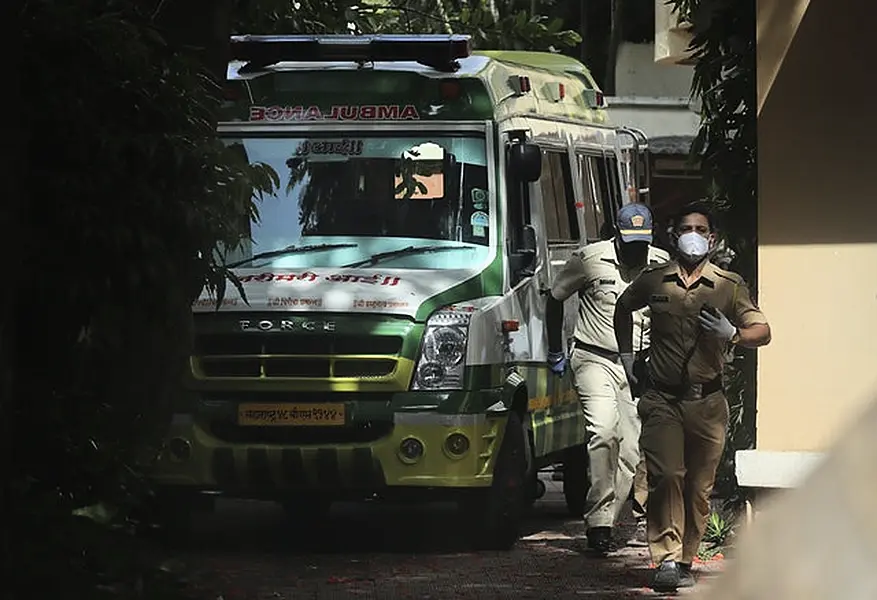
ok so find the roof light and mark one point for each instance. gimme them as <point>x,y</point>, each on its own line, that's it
<point>520,84</point>
<point>438,51</point>
<point>595,99</point>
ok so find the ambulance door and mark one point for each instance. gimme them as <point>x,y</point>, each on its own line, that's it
<point>563,221</point>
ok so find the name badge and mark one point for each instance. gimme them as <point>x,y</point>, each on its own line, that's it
<point>607,282</point>
<point>659,298</point>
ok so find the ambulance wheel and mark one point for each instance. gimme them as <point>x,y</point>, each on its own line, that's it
<point>535,486</point>
<point>496,513</point>
<point>575,479</point>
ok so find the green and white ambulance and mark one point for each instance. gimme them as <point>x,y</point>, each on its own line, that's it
<point>392,340</point>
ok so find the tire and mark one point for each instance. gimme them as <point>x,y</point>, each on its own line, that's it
<point>495,514</point>
<point>576,481</point>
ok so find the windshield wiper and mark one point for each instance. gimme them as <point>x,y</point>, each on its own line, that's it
<point>375,258</point>
<point>288,250</point>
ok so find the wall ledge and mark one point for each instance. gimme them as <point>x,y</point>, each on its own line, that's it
<point>771,469</point>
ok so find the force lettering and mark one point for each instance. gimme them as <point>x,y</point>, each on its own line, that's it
<point>369,112</point>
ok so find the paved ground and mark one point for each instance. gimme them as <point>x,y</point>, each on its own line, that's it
<point>249,551</point>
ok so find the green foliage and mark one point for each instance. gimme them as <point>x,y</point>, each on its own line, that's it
<point>129,193</point>
<point>496,27</point>
<point>724,79</point>
<point>718,536</point>
<point>128,198</point>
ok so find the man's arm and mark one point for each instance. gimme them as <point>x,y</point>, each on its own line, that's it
<point>753,329</point>
<point>754,335</point>
<point>569,280</point>
<point>634,298</point>
<point>554,324</point>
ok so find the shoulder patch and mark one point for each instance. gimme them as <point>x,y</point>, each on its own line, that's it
<point>655,267</point>
<point>657,255</point>
<point>596,250</point>
<point>729,276</point>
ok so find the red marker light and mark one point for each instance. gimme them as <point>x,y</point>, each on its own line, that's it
<point>450,89</point>
<point>510,325</point>
<point>520,84</point>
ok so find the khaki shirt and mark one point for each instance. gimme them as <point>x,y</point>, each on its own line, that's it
<point>674,322</point>
<point>595,273</point>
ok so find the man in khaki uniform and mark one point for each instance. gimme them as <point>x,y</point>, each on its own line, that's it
<point>598,273</point>
<point>696,310</point>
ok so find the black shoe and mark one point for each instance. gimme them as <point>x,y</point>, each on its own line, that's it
<point>686,577</point>
<point>600,539</point>
<point>666,577</point>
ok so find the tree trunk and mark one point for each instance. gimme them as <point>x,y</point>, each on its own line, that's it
<point>614,44</point>
<point>584,55</point>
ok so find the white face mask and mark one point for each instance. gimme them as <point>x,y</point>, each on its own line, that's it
<point>693,246</point>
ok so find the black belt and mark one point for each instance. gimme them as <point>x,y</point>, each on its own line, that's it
<point>693,391</point>
<point>608,354</point>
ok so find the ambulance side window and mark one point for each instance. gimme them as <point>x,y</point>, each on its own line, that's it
<point>593,204</point>
<point>558,198</point>
<point>605,169</point>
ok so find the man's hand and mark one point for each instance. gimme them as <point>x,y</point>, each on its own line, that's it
<point>557,363</point>
<point>716,324</point>
<point>627,361</point>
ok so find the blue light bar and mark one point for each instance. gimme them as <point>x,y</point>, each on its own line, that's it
<point>438,51</point>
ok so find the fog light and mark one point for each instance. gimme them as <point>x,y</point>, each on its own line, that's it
<point>457,444</point>
<point>411,449</point>
<point>180,449</point>
<point>430,375</point>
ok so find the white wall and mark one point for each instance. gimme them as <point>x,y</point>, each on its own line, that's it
<point>637,74</point>
<point>657,117</point>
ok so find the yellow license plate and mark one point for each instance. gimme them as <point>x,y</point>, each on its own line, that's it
<point>290,415</point>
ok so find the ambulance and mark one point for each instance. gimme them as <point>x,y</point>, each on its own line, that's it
<point>390,340</point>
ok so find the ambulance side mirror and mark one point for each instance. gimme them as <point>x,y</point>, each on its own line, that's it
<point>525,161</point>
<point>523,258</point>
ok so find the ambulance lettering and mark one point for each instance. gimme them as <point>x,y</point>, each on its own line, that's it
<point>368,112</point>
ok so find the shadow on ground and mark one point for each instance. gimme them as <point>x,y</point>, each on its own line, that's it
<point>251,551</point>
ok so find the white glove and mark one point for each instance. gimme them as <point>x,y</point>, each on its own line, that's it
<point>627,361</point>
<point>717,324</point>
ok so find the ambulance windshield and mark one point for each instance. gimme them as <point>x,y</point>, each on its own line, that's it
<point>344,199</point>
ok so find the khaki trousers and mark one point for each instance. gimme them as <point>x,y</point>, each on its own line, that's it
<point>682,441</point>
<point>613,435</point>
<point>640,490</point>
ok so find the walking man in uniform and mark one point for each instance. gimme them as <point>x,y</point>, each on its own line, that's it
<point>598,273</point>
<point>696,310</point>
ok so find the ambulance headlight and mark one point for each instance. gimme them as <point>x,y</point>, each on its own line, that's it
<point>442,352</point>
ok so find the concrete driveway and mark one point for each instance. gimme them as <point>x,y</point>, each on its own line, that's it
<point>250,551</point>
